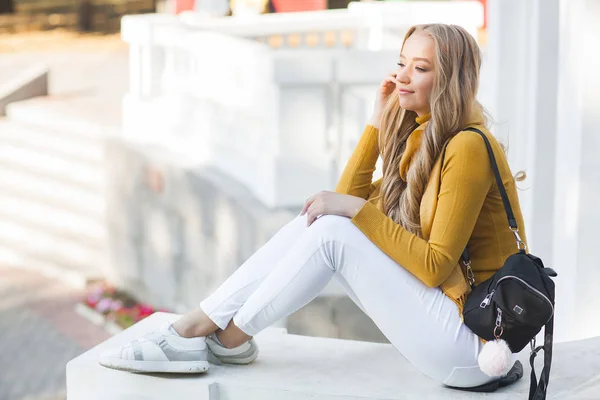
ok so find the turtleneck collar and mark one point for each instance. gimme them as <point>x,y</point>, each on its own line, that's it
<point>422,119</point>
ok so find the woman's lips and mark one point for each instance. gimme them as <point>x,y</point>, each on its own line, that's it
<point>404,91</point>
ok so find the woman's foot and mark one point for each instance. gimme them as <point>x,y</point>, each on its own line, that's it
<point>163,350</point>
<point>194,324</point>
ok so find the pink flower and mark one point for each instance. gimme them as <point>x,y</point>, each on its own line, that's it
<point>104,305</point>
<point>146,310</point>
<point>94,298</point>
<point>116,305</point>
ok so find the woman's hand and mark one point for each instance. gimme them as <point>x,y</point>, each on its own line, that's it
<point>331,203</point>
<point>386,89</point>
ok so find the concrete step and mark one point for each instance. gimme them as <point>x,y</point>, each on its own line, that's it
<point>54,193</point>
<point>70,255</point>
<point>83,149</point>
<point>52,206</point>
<point>80,115</point>
<point>52,221</point>
<point>28,83</point>
<point>39,162</point>
<point>75,277</point>
<point>293,367</point>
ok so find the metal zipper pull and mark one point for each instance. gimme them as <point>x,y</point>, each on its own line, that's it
<point>498,330</point>
<point>488,299</point>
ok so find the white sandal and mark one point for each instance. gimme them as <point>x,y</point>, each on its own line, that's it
<point>160,351</point>
<point>219,354</point>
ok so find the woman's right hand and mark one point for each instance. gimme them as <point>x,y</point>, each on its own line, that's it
<point>386,89</point>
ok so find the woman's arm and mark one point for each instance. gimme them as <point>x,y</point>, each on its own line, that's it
<point>465,182</point>
<point>356,180</point>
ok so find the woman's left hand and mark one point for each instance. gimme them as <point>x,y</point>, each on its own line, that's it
<point>331,203</point>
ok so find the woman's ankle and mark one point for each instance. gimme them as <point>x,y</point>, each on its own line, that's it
<point>183,330</point>
<point>190,330</point>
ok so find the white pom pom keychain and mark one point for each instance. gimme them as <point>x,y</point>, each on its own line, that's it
<point>495,358</point>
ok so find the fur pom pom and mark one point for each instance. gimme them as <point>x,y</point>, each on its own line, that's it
<point>495,358</point>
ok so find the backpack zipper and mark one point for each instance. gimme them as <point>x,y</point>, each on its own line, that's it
<point>488,299</point>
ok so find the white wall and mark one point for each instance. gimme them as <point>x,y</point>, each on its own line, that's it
<point>543,67</point>
<point>577,180</point>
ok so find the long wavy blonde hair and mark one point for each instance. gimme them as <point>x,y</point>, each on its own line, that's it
<point>456,67</point>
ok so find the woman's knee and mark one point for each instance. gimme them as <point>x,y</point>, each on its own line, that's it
<point>330,223</point>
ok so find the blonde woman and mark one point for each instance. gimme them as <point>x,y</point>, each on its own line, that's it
<point>394,244</point>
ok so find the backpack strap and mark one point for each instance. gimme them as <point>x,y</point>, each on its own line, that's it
<point>512,221</point>
<point>537,391</point>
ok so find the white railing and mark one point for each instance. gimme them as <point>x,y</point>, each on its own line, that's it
<point>269,119</point>
<point>277,101</point>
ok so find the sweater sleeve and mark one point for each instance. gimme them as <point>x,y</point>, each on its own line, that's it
<point>465,182</point>
<point>356,180</point>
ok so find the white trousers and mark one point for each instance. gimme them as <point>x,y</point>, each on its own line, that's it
<point>294,266</point>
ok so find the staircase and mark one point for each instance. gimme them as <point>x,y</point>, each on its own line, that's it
<point>52,175</point>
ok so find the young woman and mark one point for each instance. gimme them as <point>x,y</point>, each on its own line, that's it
<point>394,244</point>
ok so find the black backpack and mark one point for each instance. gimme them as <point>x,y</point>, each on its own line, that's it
<point>517,301</point>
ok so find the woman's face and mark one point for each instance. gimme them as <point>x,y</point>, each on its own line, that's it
<point>415,73</point>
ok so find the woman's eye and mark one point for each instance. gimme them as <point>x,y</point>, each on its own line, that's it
<point>421,69</point>
<point>400,65</point>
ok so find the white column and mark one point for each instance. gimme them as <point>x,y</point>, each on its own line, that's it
<point>544,85</point>
<point>522,57</point>
<point>577,183</point>
<point>544,67</point>
<point>146,65</point>
<point>151,71</point>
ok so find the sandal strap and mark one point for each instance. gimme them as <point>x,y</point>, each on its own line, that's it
<point>172,354</point>
<point>137,350</point>
<point>155,336</point>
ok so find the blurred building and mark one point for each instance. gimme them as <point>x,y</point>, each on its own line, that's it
<point>82,15</point>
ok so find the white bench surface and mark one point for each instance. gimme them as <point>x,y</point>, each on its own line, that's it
<point>293,367</point>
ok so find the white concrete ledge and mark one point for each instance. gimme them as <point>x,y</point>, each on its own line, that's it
<point>292,367</point>
<point>30,83</point>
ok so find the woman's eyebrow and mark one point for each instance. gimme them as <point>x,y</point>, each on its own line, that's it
<point>417,59</point>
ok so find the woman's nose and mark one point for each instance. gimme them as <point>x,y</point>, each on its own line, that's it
<point>402,76</point>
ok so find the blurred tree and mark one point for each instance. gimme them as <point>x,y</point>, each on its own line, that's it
<point>84,15</point>
<point>7,7</point>
<point>331,4</point>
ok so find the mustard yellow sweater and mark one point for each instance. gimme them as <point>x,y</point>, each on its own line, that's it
<point>461,205</point>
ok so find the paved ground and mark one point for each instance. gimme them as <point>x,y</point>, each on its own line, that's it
<point>39,333</point>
